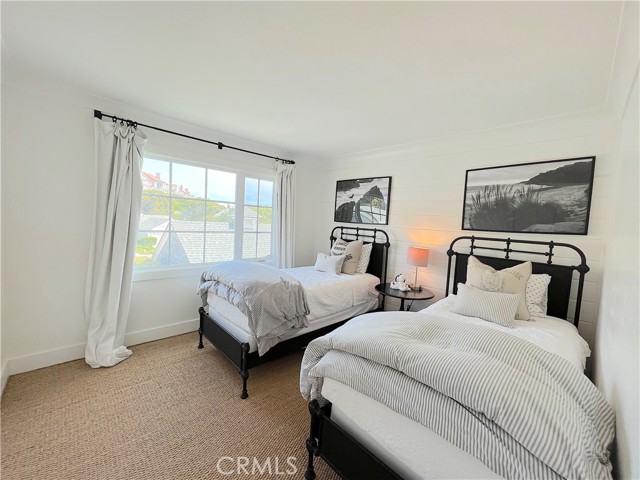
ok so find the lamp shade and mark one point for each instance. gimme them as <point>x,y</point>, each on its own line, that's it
<point>418,256</point>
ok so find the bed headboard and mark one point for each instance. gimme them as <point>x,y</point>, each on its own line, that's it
<point>561,275</point>
<point>379,252</point>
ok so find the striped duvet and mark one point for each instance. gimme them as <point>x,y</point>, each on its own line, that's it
<point>524,412</point>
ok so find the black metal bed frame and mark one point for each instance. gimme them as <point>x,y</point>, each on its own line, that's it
<point>237,352</point>
<point>561,275</point>
<point>352,460</point>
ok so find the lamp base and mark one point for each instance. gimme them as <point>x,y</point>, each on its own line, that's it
<point>416,288</point>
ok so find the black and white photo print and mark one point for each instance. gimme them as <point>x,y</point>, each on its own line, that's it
<point>541,197</point>
<point>363,200</point>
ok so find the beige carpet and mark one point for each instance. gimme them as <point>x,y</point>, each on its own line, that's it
<point>170,411</point>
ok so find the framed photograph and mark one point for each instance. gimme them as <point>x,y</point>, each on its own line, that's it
<point>363,200</point>
<point>542,197</point>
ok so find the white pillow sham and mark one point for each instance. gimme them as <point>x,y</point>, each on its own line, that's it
<point>508,280</point>
<point>495,307</point>
<point>329,263</point>
<point>537,288</point>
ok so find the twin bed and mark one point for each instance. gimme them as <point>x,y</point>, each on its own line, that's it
<point>437,394</point>
<point>332,300</point>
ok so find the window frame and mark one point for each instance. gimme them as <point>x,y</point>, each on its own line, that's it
<point>154,272</point>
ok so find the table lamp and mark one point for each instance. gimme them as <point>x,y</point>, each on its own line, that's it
<point>419,257</point>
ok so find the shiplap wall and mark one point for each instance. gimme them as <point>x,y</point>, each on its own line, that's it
<point>428,184</point>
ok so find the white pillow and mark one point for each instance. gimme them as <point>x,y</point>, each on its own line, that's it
<point>495,307</point>
<point>351,251</point>
<point>508,280</point>
<point>329,263</point>
<point>537,287</point>
<point>365,256</point>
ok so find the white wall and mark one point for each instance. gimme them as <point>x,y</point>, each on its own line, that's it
<point>47,209</point>
<point>428,183</point>
<point>617,362</point>
<point>3,360</point>
<point>618,336</point>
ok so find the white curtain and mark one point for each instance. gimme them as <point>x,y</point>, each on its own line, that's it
<point>118,154</point>
<point>284,237</point>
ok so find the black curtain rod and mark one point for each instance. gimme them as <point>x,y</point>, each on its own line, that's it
<point>220,145</point>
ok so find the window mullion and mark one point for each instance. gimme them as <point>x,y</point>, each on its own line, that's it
<point>170,212</point>
<point>258,216</point>
<point>206,210</point>
<point>239,225</point>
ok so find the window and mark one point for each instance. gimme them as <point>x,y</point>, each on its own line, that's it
<point>190,215</point>
<point>258,202</point>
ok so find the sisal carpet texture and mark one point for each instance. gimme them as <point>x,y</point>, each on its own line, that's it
<point>170,411</point>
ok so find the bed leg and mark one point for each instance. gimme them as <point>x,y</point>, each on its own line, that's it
<point>312,444</point>
<point>244,371</point>
<point>201,311</point>
<point>245,375</point>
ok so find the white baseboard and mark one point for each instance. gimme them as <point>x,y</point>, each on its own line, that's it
<point>158,333</point>
<point>5,376</point>
<point>55,356</point>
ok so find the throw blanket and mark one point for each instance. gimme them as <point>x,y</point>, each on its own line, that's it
<point>272,300</point>
<point>524,412</point>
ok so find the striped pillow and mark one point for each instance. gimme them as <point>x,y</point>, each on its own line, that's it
<point>495,307</point>
<point>351,252</point>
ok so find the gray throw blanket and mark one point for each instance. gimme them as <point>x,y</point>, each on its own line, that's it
<point>524,412</point>
<point>273,301</point>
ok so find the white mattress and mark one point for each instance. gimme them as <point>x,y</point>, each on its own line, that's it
<point>331,298</point>
<point>409,448</point>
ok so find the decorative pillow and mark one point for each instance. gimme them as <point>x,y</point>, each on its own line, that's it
<point>365,256</point>
<point>537,287</point>
<point>493,307</point>
<point>507,280</point>
<point>329,263</point>
<point>351,252</point>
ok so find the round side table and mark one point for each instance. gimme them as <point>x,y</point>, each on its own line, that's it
<point>386,290</point>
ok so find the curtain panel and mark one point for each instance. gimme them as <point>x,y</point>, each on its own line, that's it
<point>118,156</point>
<point>284,233</point>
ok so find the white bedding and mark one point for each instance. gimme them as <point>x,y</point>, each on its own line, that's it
<point>331,298</point>
<point>402,442</point>
<point>553,334</point>
<point>328,293</point>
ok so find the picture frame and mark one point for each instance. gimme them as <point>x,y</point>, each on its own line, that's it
<point>363,200</point>
<point>547,197</point>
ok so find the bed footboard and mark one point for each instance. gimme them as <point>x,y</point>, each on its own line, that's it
<point>341,451</point>
<point>237,352</point>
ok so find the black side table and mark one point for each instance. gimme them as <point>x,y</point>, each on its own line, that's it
<point>423,294</point>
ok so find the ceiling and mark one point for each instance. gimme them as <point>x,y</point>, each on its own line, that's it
<point>326,78</point>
